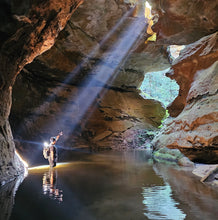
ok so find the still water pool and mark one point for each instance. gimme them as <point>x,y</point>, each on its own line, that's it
<point>114,186</point>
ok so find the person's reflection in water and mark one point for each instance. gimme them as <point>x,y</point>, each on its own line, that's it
<point>49,182</point>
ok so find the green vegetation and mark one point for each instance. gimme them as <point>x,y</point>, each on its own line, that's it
<point>164,118</point>
<point>167,155</point>
<point>159,87</point>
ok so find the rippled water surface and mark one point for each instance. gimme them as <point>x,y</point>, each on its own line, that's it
<point>113,185</point>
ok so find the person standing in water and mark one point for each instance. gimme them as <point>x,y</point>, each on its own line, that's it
<point>50,151</point>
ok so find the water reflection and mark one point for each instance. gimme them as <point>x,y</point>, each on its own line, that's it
<point>160,204</point>
<point>49,185</point>
<point>114,185</point>
<point>197,200</point>
<point>7,196</point>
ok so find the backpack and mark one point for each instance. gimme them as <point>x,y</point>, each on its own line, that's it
<point>46,152</point>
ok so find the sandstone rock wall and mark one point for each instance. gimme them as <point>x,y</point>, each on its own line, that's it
<point>196,107</point>
<point>35,34</point>
<point>184,21</point>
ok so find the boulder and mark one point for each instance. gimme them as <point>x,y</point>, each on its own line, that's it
<point>167,155</point>
<point>208,173</point>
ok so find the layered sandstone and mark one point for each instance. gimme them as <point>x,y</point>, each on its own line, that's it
<point>196,124</point>
<point>183,21</point>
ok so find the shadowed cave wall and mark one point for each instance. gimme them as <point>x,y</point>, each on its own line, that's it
<point>21,42</point>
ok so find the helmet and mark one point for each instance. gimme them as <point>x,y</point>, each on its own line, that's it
<point>52,139</point>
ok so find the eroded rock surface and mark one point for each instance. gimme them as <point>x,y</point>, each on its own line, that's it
<point>208,173</point>
<point>196,57</point>
<point>183,21</point>
<point>196,126</point>
<point>35,34</point>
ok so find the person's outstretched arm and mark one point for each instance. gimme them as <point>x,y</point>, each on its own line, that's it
<point>58,136</point>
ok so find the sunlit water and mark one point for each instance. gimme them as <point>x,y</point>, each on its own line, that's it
<point>114,185</point>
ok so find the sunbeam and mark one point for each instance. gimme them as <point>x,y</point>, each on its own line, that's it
<point>104,72</point>
<point>78,68</point>
<point>95,81</point>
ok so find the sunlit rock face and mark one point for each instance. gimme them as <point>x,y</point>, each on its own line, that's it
<point>183,21</point>
<point>194,61</point>
<point>10,165</point>
<point>120,121</point>
<point>195,126</point>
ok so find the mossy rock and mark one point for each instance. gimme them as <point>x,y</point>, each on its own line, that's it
<point>171,156</point>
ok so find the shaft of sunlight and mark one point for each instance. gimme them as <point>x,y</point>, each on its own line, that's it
<point>106,70</point>
<point>99,76</point>
<point>96,48</point>
<point>56,91</point>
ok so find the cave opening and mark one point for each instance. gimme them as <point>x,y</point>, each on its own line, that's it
<point>156,85</point>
